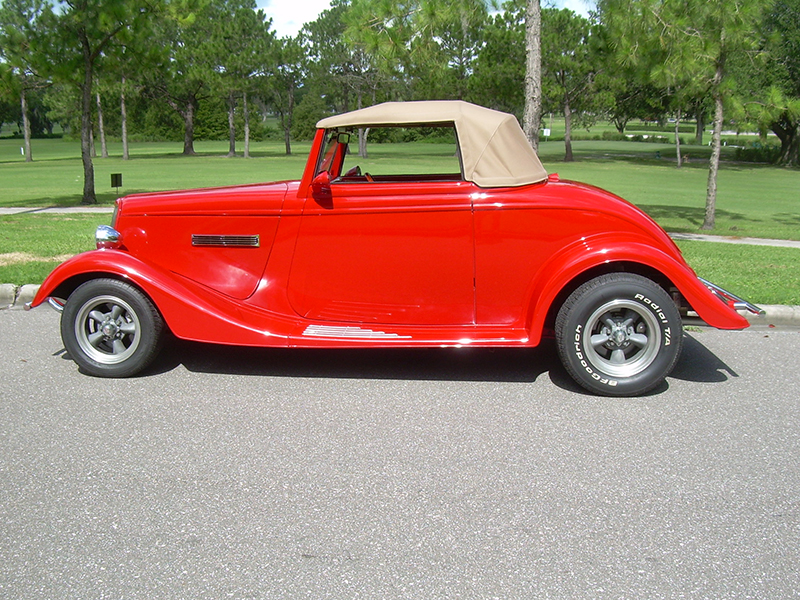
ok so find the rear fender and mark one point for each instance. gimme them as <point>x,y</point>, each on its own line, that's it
<point>604,251</point>
<point>192,311</point>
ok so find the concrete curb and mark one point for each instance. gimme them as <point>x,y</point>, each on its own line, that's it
<point>776,314</point>
<point>13,297</point>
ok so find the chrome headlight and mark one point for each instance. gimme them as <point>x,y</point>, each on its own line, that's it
<point>107,237</point>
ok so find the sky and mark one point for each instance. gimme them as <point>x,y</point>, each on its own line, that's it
<point>288,16</point>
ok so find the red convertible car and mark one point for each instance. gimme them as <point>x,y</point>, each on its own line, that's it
<point>479,248</point>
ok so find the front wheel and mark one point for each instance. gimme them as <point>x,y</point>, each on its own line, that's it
<point>619,334</point>
<point>111,329</point>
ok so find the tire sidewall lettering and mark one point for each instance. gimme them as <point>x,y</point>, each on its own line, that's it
<point>599,376</point>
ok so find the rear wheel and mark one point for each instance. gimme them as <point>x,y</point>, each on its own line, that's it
<point>619,334</point>
<point>111,329</point>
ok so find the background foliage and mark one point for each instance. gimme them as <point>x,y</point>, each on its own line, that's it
<point>214,69</point>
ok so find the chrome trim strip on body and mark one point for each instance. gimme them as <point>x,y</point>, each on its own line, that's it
<point>330,331</point>
<point>226,241</point>
<point>731,299</point>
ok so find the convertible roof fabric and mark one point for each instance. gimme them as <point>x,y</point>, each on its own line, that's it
<point>494,150</point>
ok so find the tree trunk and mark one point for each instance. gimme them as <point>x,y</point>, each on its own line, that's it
<point>788,133</point>
<point>362,133</point>
<point>26,125</point>
<point>287,139</point>
<point>362,141</point>
<point>701,125</point>
<point>567,131</point>
<point>101,129</point>
<point>716,150</point>
<point>792,155</point>
<point>188,129</point>
<point>678,139</point>
<point>124,117</point>
<point>246,112</point>
<point>231,125</point>
<point>89,196</point>
<point>532,119</point>
<point>286,119</point>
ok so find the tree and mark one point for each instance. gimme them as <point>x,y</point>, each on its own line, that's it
<point>427,47</point>
<point>78,37</point>
<point>284,80</point>
<point>500,65</point>
<point>331,64</point>
<point>568,73</point>
<point>450,37</point>
<point>239,40</point>
<point>339,72</point>
<point>19,35</point>
<point>186,71</point>
<point>533,72</point>
<point>771,87</point>
<point>699,37</point>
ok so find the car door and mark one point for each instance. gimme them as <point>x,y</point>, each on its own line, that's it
<point>393,252</point>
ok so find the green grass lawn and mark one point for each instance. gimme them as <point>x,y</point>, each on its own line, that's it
<point>760,274</point>
<point>55,177</point>
<point>32,245</point>
<point>753,200</point>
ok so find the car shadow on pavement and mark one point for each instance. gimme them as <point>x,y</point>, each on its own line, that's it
<point>508,365</point>
<point>442,364</point>
<point>697,363</point>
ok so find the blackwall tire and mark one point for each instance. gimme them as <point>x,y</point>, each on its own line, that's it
<point>111,329</point>
<point>619,335</point>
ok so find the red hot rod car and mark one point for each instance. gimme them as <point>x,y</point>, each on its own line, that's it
<point>481,249</point>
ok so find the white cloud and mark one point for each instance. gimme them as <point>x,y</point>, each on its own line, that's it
<point>289,16</point>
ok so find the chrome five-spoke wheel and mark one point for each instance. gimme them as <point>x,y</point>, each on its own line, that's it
<point>107,329</point>
<point>619,334</point>
<point>623,339</point>
<point>110,328</point>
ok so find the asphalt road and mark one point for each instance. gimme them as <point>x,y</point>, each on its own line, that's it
<point>228,473</point>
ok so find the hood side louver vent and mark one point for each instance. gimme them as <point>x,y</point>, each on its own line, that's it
<point>226,241</point>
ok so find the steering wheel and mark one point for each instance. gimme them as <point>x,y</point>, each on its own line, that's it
<point>354,172</point>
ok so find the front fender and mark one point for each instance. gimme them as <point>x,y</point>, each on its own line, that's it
<point>603,251</point>
<point>192,311</point>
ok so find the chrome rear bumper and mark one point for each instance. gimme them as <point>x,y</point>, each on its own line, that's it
<point>732,300</point>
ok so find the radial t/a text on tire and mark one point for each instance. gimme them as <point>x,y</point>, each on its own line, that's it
<point>110,328</point>
<point>619,334</point>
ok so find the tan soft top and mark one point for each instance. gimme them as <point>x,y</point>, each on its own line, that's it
<point>494,150</point>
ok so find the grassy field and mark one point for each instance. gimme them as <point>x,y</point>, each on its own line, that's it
<point>55,177</point>
<point>753,200</point>
<point>761,274</point>
<point>32,245</point>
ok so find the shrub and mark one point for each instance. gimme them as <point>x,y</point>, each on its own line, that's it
<point>757,152</point>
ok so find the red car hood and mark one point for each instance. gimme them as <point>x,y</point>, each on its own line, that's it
<point>239,199</point>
